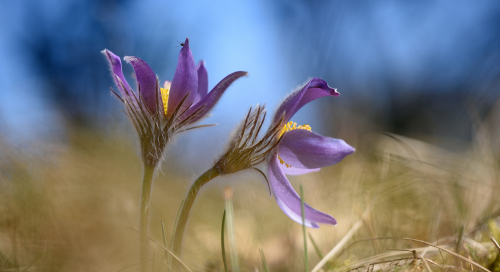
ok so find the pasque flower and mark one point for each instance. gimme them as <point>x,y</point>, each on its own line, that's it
<point>159,112</point>
<point>289,149</point>
<point>300,151</point>
<point>286,147</point>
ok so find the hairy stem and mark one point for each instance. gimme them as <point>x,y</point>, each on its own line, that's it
<point>147,185</point>
<point>185,209</point>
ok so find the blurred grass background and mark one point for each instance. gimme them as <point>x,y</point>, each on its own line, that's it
<point>74,207</point>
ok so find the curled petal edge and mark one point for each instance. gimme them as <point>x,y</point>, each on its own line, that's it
<point>312,90</point>
<point>115,66</point>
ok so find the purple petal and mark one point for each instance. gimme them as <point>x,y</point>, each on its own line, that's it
<point>116,71</point>
<point>146,81</point>
<point>295,171</point>
<point>305,149</point>
<point>211,99</point>
<point>289,200</point>
<point>185,81</point>
<point>202,82</point>
<point>314,89</point>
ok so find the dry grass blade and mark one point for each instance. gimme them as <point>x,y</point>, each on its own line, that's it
<point>344,240</point>
<point>394,263</point>
<point>128,266</point>
<point>416,256</point>
<point>433,262</point>
<point>164,238</point>
<point>449,251</point>
<point>425,262</point>
<point>167,250</point>
<point>495,243</point>
<point>438,247</point>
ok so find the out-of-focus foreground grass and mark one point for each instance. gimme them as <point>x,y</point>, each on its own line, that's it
<point>75,208</point>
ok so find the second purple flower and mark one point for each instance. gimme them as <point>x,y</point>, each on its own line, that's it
<point>302,151</point>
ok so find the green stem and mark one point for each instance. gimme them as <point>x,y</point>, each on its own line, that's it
<point>147,186</point>
<point>184,212</point>
<point>222,244</point>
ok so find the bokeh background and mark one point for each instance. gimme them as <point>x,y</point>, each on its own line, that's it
<point>407,67</point>
<point>425,70</point>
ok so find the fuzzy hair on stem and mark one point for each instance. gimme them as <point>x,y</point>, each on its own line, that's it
<point>153,128</point>
<point>245,150</point>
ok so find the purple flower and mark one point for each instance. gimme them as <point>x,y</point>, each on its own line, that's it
<point>158,113</point>
<point>289,149</point>
<point>300,151</point>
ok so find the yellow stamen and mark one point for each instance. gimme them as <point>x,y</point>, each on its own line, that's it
<point>288,127</point>
<point>165,91</point>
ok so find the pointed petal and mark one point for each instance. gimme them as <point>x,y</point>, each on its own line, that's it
<point>213,96</point>
<point>295,171</point>
<point>185,81</point>
<point>289,200</point>
<point>116,71</point>
<point>146,81</point>
<point>314,89</point>
<point>305,149</point>
<point>202,82</point>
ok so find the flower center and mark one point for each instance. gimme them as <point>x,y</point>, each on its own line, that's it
<point>165,91</point>
<point>288,127</point>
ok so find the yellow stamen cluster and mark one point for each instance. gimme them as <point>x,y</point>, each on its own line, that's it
<point>165,91</point>
<point>288,127</point>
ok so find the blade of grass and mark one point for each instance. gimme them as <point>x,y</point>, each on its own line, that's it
<point>416,256</point>
<point>344,240</point>
<point>437,247</point>
<point>497,258</point>
<point>169,258</point>
<point>222,244</point>
<point>126,267</point>
<point>186,268</point>
<point>495,242</point>
<point>233,253</point>
<point>425,262</point>
<point>460,239</point>
<point>164,238</point>
<point>5,261</point>
<point>177,217</point>
<point>306,260</point>
<point>263,258</point>
<point>316,248</point>
<point>33,262</point>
